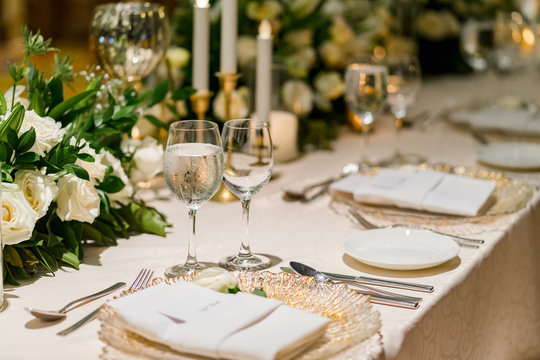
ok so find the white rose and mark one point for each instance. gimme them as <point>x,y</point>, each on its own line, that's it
<point>147,160</point>
<point>246,49</point>
<point>19,89</point>
<point>39,190</point>
<point>340,31</point>
<point>299,38</point>
<point>297,97</point>
<point>333,55</point>
<point>333,8</point>
<point>239,105</point>
<point>177,57</point>
<point>123,196</point>
<point>216,279</point>
<point>48,131</point>
<point>302,61</point>
<point>77,199</point>
<point>302,8</point>
<point>18,217</point>
<point>266,10</point>
<point>329,84</point>
<point>96,170</point>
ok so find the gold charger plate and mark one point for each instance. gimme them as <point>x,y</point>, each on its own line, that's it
<point>510,196</point>
<point>353,318</point>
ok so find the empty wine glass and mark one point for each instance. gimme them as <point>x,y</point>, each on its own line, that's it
<point>248,166</point>
<point>477,41</point>
<point>193,170</point>
<point>404,82</point>
<point>366,92</point>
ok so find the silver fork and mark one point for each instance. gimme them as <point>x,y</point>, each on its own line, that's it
<point>462,241</point>
<point>143,278</point>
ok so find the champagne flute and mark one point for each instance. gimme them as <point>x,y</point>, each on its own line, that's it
<point>193,169</point>
<point>404,82</point>
<point>248,167</point>
<point>365,93</point>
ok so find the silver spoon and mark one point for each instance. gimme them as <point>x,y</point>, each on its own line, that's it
<point>49,315</point>
<point>306,194</point>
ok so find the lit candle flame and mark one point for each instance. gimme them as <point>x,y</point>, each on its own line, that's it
<point>201,3</point>
<point>265,29</point>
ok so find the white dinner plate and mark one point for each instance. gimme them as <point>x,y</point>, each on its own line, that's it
<point>511,155</point>
<point>400,248</point>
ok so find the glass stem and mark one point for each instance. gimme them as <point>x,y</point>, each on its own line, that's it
<point>399,126</point>
<point>245,251</point>
<point>192,252</point>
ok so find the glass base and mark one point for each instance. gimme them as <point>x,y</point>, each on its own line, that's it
<point>249,263</point>
<point>186,269</point>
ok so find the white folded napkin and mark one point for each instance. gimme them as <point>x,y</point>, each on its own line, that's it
<point>511,121</point>
<point>196,320</point>
<point>421,190</point>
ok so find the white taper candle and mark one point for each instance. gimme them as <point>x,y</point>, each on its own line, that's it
<point>201,45</point>
<point>229,31</point>
<point>263,99</point>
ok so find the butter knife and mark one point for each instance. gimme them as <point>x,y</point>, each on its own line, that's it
<point>79,323</point>
<point>372,281</point>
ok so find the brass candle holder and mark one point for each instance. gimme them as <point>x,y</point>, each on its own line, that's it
<point>227,83</point>
<point>200,103</point>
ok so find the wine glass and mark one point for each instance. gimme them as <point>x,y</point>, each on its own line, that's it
<point>365,92</point>
<point>193,170</point>
<point>404,83</point>
<point>477,42</point>
<point>248,167</point>
<point>130,38</point>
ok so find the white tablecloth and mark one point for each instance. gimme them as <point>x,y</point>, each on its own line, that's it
<point>486,304</point>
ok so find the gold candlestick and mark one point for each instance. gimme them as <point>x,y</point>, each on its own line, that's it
<point>200,103</point>
<point>227,83</point>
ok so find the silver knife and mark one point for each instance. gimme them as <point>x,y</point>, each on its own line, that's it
<point>79,323</point>
<point>373,281</point>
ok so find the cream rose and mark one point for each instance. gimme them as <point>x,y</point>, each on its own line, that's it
<point>333,55</point>
<point>39,190</point>
<point>18,217</point>
<point>329,84</point>
<point>435,25</point>
<point>246,49</point>
<point>298,97</point>
<point>48,131</point>
<point>333,8</point>
<point>239,105</point>
<point>302,8</point>
<point>19,89</point>
<point>123,196</point>
<point>216,279</point>
<point>340,31</point>
<point>302,61</point>
<point>77,199</point>
<point>177,56</point>
<point>147,159</point>
<point>266,10</point>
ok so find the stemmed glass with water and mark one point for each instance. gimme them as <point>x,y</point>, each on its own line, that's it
<point>366,92</point>
<point>404,83</point>
<point>193,170</point>
<point>248,166</point>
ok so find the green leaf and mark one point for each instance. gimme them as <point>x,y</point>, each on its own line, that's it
<point>110,110</point>
<point>126,111</point>
<point>3,104</point>
<point>78,171</point>
<point>144,219</point>
<point>155,121</point>
<point>19,272</point>
<point>13,122</point>
<point>86,157</point>
<point>45,258</point>
<point>12,138</point>
<point>183,93</point>
<point>111,184</point>
<point>67,104</point>
<point>63,254</point>
<point>160,92</point>
<point>12,256</point>
<point>26,141</point>
<point>173,110</point>
<point>9,276</point>
<point>28,157</point>
<point>37,103</point>
<point>259,292</point>
<point>233,290</point>
<point>57,92</point>
<point>90,233</point>
<point>5,152</point>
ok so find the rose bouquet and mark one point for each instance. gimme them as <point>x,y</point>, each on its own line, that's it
<point>66,164</point>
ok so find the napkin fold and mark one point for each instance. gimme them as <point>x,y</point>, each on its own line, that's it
<point>196,320</point>
<point>426,190</point>
<point>510,121</point>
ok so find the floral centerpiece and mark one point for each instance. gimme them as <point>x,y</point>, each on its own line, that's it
<point>66,164</point>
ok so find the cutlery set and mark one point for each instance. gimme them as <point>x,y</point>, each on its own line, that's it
<point>143,278</point>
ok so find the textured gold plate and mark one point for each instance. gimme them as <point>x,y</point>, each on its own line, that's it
<point>353,318</point>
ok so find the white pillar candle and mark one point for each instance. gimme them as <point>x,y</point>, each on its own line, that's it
<point>263,91</point>
<point>201,45</point>
<point>229,30</point>
<point>284,132</point>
